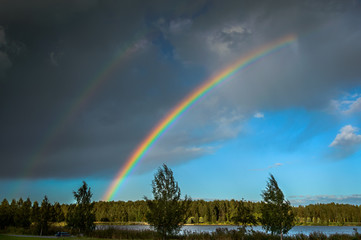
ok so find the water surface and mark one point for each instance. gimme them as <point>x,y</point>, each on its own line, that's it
<point>328,230</point>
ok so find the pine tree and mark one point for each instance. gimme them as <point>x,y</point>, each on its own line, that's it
<point>24,213</point>
<point>44,216</point>
<point>13,210</point>
<point>58,213</point>
<point>5,214</point>
<point>167,212</point>
<point>277,215</point>
<point>35,213</point>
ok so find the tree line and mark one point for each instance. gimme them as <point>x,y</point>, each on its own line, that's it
<point>20,213</point>
<point>274,213</point>
<point>222,212</point>
<point>25,214</point>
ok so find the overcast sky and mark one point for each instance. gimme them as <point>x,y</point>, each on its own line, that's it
<point>83,82</point>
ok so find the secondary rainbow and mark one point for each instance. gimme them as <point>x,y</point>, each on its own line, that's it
<point>188,101</point>
<point>66,117</point>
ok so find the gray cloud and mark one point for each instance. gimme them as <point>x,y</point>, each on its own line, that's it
<point>182,44</point>
<point>2,36</point>
<point>5,62</point>
<point>40,12</point>
<point>354,199</point>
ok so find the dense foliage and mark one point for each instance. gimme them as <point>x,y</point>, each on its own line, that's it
<point>223,212</point>
<point>80,215</point>
<point>200,212</point>
<point>24,214</point>
<point>166,212</point>
<point>276,212</point>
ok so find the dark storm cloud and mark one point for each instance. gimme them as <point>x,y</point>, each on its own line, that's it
<point>67,45</point>
<point>5,62</point>
<point>51,51</point>
<point>323,59</point>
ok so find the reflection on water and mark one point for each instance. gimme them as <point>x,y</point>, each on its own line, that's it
<point>328,230</point>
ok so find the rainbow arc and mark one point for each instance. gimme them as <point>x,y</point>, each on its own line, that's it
<point>186,103</point>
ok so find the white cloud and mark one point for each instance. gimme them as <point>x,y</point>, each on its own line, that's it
<point>347,137</point>
<point>353,106</point>
<point>269,167</point>
<point>258,115</point>
<point>348,104</point>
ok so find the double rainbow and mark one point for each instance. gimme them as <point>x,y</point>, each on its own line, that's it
<point>187,102</point>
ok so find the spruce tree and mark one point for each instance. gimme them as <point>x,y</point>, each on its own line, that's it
<point>44,217</point>
<point>5,214</point>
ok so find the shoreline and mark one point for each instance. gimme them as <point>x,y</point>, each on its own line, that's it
<point>347,224</point>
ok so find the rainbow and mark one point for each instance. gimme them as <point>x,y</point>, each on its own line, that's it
<point>187,102</point>
<point>70,113</point>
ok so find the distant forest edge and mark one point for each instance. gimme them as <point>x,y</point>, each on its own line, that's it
<point>222,211</point>
<point>22,213</point>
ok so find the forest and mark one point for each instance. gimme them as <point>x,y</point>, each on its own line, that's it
<point>22,213</point>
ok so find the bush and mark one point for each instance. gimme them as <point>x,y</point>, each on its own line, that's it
<point>317,236</point>
<point>113,233</point>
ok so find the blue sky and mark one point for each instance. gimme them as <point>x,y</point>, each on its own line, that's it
<point>294,114</point>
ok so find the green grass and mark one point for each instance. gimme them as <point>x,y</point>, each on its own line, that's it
<point>6,237</point>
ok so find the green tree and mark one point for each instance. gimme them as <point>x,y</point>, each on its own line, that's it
<point>44,216</point>
<point>5,214</point>
<point>243,214</point>
<point>13,210</point>
<point>58,215</point>
<point>167,212</point>
<point>35,213</point>
<point>25,213</point>
<point>81,216</point>
<point>18,213</point>
<point>277,215</point>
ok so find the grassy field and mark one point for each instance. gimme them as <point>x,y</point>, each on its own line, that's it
<point>25,237</point>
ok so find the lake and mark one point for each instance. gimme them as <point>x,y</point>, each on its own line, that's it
<point>328,230</point>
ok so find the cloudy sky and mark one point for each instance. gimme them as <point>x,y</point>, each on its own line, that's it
<point>82,83</point>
